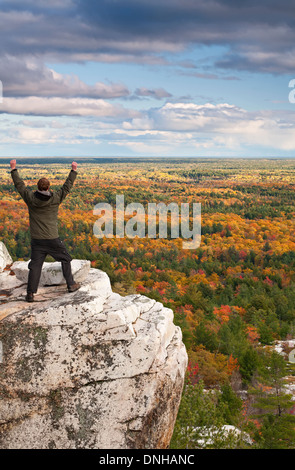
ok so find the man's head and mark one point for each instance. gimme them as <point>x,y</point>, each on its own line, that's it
<point>43,184</point>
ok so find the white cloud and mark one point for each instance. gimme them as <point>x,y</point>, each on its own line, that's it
<point>35,136</point>
<point>28,76</point>
<point>225,124</point>
<point>173,129</point>
<point>40,106</point>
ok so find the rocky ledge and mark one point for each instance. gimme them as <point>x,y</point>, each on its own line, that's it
<point>89,369</point>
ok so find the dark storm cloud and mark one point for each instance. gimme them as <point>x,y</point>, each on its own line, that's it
<point>189,21</point>
<point>260,36</point>
<point>167,19</point>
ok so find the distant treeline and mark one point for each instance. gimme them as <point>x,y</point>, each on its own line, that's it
<point>235,162</point>
<point>53,160</point>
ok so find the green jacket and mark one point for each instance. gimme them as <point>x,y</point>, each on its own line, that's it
<point>43,209</point>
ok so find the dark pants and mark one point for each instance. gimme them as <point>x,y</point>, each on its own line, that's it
<point>39,249</point>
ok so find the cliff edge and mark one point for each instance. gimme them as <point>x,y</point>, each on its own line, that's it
<point>89,369</point>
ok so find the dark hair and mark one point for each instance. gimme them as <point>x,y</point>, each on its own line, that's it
<point>43,184</point>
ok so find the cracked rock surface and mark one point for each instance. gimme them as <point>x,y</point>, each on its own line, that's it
<point>89,369</point>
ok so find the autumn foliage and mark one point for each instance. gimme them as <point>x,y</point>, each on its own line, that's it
<point>232,295</point>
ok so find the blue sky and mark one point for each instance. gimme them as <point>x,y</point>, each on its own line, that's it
<point>147,78</point>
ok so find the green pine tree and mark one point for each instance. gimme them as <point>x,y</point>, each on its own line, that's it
<point>201,419</point>
<point>277,429</point>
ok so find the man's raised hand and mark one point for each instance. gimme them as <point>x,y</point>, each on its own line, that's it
<point>12,164</point>
<point>74,166</point>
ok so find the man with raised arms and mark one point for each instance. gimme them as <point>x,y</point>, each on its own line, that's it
<point>43,207</point>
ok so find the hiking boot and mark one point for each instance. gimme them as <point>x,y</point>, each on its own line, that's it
<point>30,297</point>
<point>74,287</point>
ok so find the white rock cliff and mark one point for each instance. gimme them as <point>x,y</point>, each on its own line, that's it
<point>89,369</point>
<point>5,257</point>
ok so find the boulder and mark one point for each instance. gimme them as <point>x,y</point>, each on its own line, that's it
<point>89,369</point>
<point>5,257</point>
<point>52,272</point>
